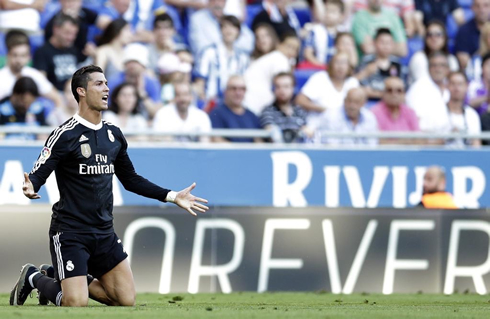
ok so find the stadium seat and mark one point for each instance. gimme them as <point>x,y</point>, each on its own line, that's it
<point>452,27</point>
<point>303,14</point>
<point>49,11</point>
<point>36,41</point>
<point>252,11</point>
<point>414,45</point>
<point>301,77</point>
<point>465,4</point>
<point>3,47</point>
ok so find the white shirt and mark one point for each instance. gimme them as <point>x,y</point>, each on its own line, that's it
<point>419,65</point>
<point>23,19</point>
<point>8,79</point>
<point>167,119</point>
<point>135,122</point>
<point>258,79</point>
<point>429,103</point>
<point>335,120</point>
<point>468,122</point>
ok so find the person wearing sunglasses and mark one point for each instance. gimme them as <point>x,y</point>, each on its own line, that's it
<point>393,114</point>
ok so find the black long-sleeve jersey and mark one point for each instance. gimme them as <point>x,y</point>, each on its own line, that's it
<point>84,157</point>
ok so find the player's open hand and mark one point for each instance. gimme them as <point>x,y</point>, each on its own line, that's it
<point>189,202</point>
<point>28,188</point>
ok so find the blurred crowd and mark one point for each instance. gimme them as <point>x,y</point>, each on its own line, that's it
<point>297,68</point>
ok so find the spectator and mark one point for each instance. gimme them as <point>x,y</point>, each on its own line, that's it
<point>479,89</point>
<point>220,60</point>
<point>375,68</point>
<point>139,14</point>
<point>352,117</point>
<point>124,109</point>
<point>18,56</point>
<point>164,34</point>
<point>265,40</point>
<point>67,109</point>
<point>435,40</point>
<point>86,18</point>
<point>279,15</point>
<point>232,7</point>
<point>392,114</point>
<point>135,63</point>
<point>367,22</point>
<point>474,68</point>
<point>344,42</point>
<point>231,114</point>
<point>439,10</point>
<point>172,70</point>
<point>21,15</point>
<point>110,47</point>
<point>434,190</point>
<point>260,73</point>
<point>405,9</point>
<point>429,95</point>
<point>468,36</point>
<point>204,28</point>
<point>319,46</point>
<point>462,118</point>
<point>22,108</point>
<point>327,90</point>
<point>283,117</point>
<point>182,116</point>
<point>58,58</point>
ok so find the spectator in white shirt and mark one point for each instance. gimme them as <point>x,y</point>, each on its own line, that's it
<point>428,96</point>
<point>261,72</point>
<point>462,118</point>
<point>18,56</point>
<point>352,117</point>
<point>327,90</point>
<point>182,116</point>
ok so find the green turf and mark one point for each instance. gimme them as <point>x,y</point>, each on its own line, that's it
<point>268,305</point>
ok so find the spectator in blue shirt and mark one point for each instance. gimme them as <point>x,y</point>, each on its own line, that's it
<point>468,37</point>
<point>232,114</point>
<point>135,64</point>
<point>22,108</point>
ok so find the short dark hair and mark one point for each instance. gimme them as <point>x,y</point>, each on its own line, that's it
<point>15,38</point>
<point>25,85</point>
<point>338,3</point>
<point>114,107</point>
<point>382,31</point>
<point>112,31</point>
<point>436,54</point>
<point>80,78</point>
<point>284,74</point>
<point>459,72</point>
<point>60,18</point>
<point>163,17</point>
<point>232,20</point>
<point>485,58</point>
<point>286,35</point>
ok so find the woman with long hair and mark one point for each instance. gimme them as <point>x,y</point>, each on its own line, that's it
<point>265,40</point>
<point>435,40</point>
<point>123,110</point>
<point>110,47</point>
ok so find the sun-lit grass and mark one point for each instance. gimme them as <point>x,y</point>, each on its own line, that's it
<point>268,305</point>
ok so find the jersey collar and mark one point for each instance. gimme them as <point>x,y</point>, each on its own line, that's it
<point>86,123</point>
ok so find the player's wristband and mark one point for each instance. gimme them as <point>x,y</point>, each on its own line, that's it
<point>171,196</point>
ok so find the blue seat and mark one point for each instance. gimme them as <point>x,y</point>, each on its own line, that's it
<point>452,27</point>
<point>413,45</point>
<point>49,11</point>
<point>252,11</point>
<point>36,41</point>
<point>465,4</point>
<point>303,15</point>
<point>301,77</point>
<point>3,47</point>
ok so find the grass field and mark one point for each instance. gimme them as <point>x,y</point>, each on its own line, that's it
<point>268,305</point>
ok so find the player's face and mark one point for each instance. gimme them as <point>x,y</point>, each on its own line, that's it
<point>18,57</point>
<point>97,94</point>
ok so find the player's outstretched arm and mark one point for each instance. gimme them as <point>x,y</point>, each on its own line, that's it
<point>28,188</point>
<point>189,202</point>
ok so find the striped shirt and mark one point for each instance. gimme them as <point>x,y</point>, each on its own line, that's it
<point>322,43</point>
<point>216,64</point>
<point>273,115</point>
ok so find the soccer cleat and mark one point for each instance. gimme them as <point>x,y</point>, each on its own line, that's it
<point>46,270</point>
<point>22,288</point>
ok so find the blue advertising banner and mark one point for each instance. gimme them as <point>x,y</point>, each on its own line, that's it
<point>280,177</point>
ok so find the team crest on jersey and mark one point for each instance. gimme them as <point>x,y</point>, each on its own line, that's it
<point>111,137</point>
<point>86,150</point>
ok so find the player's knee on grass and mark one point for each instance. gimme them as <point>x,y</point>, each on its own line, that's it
<point>128,300</point>
<point>74,300</point>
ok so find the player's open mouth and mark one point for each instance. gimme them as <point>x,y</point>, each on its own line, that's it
<point>105,98</point>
